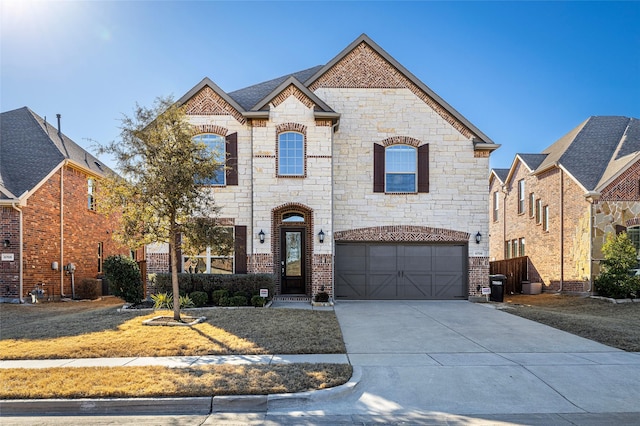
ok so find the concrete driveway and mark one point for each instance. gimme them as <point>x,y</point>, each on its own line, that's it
<point>417,358</point>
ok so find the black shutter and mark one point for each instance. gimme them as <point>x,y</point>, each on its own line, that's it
<point>423,168</point>
<point>378,168</point>
<point>240,248</point>
<point>232,159</point>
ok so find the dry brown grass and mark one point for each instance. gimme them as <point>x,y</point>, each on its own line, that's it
<point>616,325</point>
<point>96,329</point>
<point>138,382</point>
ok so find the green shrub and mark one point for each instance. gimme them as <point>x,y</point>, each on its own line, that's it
<point>124,278</point>
<point>162,301</point>
<point>258,301</point>
<point>218,295</point>
<point>619,257</point>
<point>237,301</point>
<point>199,298</point>
<point>188,283</point>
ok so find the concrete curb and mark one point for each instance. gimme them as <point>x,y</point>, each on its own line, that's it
<point>162,406</point>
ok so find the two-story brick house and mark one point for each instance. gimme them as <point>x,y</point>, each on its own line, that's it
<point>557,207</point>
<point>352,177</point>
<point>48,190</point>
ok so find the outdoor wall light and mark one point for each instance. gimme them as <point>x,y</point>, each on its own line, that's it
<point>321,236</point>
<point>478,237</point>
<point>261,236</point>
<point>6,243</point>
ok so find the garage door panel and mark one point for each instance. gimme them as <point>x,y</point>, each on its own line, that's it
<point>416,286</point>
<point>351,285</point>
<point>382,286</point>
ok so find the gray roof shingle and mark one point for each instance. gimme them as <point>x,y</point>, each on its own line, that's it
<point>502,174</point>
<point>31,148</point>
<point>532,161</point>
<point>248,97</point>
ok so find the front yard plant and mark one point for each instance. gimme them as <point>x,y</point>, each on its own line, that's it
<point>615,279</point>
<point>123,275</point>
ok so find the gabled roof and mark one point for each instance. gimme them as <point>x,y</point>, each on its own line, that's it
<point>501,174</point>
<point>412,78</point>
<point>250,101</point>
<point>30,149</point>
<point>532,161</point>
<point>249,97</point>
<point>593,153</point>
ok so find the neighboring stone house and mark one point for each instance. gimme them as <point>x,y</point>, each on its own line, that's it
<point>48,189</point>
<point>352,178</point>
<point>557,207</point>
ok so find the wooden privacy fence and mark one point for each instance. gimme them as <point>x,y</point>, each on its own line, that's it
<point>514,269</point>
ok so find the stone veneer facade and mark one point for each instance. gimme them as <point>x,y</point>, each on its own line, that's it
<point>580,222</point>
<point>377,104</point>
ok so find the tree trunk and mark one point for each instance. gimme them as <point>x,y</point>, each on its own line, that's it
<point>174,276</point>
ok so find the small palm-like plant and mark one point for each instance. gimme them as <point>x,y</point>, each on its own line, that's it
<point>186,302</point>
<point>162,301</point>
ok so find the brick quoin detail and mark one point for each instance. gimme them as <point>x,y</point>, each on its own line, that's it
<point>364,68</point>
<point>481,154</point>
<point>259,122</point>
<point>292,90</point>
<point>324,123</point>
<point>208,102</point>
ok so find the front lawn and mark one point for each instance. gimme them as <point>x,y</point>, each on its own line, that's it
<point>97,329</point>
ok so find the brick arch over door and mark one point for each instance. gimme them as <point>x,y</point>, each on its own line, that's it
<point>277,224</point>
<point>402,233</point>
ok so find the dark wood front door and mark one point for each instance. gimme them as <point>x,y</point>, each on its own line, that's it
<point>292,262</point>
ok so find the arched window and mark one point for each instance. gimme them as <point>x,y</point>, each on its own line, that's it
<point>400,168</point>
<point>216,144</point>
<point>290,154</point>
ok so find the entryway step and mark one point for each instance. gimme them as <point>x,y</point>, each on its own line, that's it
<point>291,298</point>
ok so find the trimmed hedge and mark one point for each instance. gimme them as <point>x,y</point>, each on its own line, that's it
<point>248,284</point>
<point>89,288</point>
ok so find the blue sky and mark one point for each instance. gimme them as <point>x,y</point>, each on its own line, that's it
<point>524,73</point>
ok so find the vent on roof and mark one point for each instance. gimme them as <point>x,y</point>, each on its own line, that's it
<point>58,116</point>
<point>98,165</point>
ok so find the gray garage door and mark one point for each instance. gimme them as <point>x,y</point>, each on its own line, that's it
<point>401,271</point>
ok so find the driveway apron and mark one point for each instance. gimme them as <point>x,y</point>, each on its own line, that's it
<point>458,357</point>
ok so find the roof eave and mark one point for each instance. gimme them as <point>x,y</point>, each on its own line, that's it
<point>482,146</point>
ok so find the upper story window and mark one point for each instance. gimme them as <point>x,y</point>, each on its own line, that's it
<point>100,256</point>
<point>217,145</point>
<point>538,211</point>
<point>91,194</point>
<point>545,218</point>
<point>400,168</point>
<point>496,206</point>
<point>291,154</point>
<point>521,196</point>
<point>532,204</point>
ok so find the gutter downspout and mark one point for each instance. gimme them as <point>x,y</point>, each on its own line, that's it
<point>333,243</point>
<point>561,230</point>
<point>20,256</point>
<point>62,230</point>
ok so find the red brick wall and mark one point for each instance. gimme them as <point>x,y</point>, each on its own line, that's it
<point>10,270</point>
<point>543,246</point>
<point>83,230</point>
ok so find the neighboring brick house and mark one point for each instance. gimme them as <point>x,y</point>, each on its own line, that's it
<point>48,186</point>
<point>352,177</point>
<point>557,207</point>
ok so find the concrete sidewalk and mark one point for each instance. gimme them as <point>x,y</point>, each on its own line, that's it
<point>178,361</point>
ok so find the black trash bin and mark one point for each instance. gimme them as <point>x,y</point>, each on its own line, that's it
<point>497,284</point>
